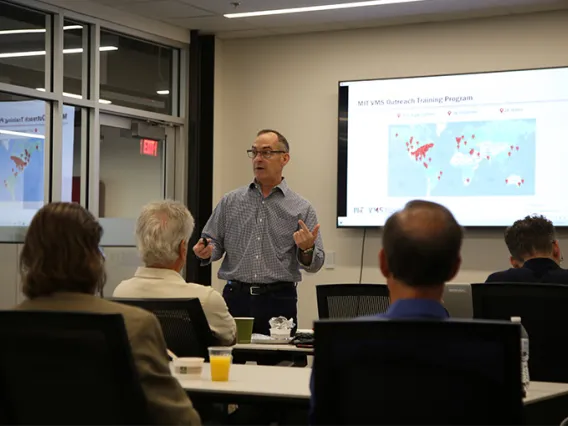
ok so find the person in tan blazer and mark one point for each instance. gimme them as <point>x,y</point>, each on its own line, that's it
<point>62,268</point>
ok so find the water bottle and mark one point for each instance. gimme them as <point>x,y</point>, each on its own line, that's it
<point>524,354</point>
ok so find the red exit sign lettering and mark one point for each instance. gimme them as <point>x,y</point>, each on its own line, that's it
<point>149,147</point>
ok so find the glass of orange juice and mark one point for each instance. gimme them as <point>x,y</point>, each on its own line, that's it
<point>220,359</point>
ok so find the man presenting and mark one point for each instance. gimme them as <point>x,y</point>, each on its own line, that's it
<point>267,233</point>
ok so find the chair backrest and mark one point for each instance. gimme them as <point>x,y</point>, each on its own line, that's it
<point>351,300</point>
<point>68,368</point>
<point>183,322</point>
<point>542,308</point>
<point>409,372</point>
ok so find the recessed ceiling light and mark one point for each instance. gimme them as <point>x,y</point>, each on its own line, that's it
<point>163,92</point>
<point>42,52</point>
<point>317,8</point>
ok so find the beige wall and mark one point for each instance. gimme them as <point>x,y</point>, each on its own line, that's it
<point>290,83</point>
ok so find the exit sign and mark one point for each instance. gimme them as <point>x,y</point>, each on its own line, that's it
<point>149,147</point>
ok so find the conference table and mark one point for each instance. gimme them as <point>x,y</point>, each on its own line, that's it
<point>256,383</point>
<point>265,347</point>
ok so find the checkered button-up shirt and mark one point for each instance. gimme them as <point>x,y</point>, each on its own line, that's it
<point>256,235</point>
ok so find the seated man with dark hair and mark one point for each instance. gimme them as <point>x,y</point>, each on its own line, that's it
<point>535,253</point>
<point>421,252</point>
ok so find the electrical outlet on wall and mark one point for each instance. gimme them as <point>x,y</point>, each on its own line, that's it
<point>329,260</point>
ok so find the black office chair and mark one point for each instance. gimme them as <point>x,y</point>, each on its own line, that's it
<point>351,300</point>
<point>183,322</point>
<point>542,308</point>
<point>408,372</point>
<point>68,369</point>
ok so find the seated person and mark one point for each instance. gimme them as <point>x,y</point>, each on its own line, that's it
<point>62,268</point>
<point>535,253</point>
<point>421,252</point>
<point>162,232</point>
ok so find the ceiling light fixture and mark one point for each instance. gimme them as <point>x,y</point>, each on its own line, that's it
<point>42,52</point>
<point>37,30</point>
<point>26,135</point>
<point>317,8</point>
<point>73,95</point>
<point>163,92</point>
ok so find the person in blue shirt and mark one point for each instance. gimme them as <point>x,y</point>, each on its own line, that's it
<point>421,252</point>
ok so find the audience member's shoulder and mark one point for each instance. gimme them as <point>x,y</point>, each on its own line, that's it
<point>138,322</point>
<point>496,276</point>
<point>557,276</point>
<point>509,275</point>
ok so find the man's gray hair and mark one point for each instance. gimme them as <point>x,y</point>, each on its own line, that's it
<point>160,229</point>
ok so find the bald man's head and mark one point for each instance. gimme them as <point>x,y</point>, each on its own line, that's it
<point>422,245</point>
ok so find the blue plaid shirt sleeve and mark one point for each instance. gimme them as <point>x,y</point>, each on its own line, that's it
<point>215,229</point>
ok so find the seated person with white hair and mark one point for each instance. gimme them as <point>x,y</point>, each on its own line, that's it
<point>162,232</point>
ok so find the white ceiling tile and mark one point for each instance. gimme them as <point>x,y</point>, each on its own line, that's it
<point>261,32</point>
<point>388,11</point>
<point>116,3</point>
<point>162,9</point>
<point>213,23</point>
<point>206,15</point>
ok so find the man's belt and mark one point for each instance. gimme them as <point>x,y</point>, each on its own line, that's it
<point>258,289</point>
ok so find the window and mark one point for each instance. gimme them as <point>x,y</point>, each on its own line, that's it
<point>131,174</point>
<point>75,73</point>
<point>22,158</point>
<point>135,73</point>
<point>22,46</point>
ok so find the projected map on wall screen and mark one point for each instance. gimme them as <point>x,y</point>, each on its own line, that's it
<point>489,146</point>
<point>22,154</point>
<point>469,158</point>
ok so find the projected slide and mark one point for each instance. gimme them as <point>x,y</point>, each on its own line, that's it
<point>488,146</point>
<point>22,159</point>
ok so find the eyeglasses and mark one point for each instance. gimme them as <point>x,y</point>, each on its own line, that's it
<point>266,154</point>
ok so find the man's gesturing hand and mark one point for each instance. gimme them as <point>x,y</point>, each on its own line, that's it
<point>203,251</point>
<point>304,238</point>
